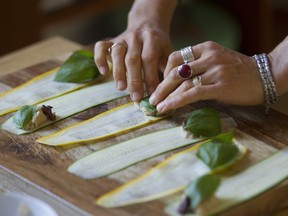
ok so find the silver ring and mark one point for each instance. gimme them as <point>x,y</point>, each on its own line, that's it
<point>187,54</point>
<point>115,44</point>
<point>197,81</point>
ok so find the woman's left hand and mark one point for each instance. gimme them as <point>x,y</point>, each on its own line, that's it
<point>218,73</point>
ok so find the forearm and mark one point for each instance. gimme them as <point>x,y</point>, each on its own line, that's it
<point>152,12</point>
<point>279,66</point>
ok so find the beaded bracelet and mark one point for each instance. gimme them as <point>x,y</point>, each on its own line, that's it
<point>270,95</point>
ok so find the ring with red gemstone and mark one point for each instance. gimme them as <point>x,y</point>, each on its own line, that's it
<point>184,71</point>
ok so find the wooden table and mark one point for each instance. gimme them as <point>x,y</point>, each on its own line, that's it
<point>28,56</point>
<point>69,198</point>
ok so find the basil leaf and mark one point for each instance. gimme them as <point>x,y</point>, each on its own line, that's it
<point>219,152</point>
<point>226,137</point>
<point>150,110</point>
<point>201,189</point>
<point>24,115</point>
<point>204,122</point>
<point>147,108</point>
<point>78,68</point>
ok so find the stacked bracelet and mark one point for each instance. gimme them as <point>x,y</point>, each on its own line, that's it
<point>270,95</point>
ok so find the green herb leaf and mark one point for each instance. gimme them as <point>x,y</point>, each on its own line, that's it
<point>78,68</point>
<point>226,138</point>
<point>150,110</point>
<point>204,122</point>
<point>147,108</point>
<point>201,189</point>
<point>219,152</point>
<point>24,115</point>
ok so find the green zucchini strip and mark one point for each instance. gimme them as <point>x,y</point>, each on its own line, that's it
<point>245,185</point>
<point>168,177</point>
<point>109,160</point>
<point>36,90</point>
<point>110,123</point>
<point>72,103</point>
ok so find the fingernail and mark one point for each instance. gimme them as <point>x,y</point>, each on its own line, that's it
<point>120,85</point>
<point>135,97</point>
<point>103,70</point>
<point>152,99</point>
<point>160,107</point>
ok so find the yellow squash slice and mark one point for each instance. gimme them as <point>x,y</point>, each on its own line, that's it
<point>114,158</point>
<point>243,186</point>
<point>35,91</point>
<point>110,123</point>
<point>72,103</point>
<point>168,177</point>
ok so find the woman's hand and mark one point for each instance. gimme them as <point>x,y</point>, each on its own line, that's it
<point>141,52</point>
<point>226,76</point>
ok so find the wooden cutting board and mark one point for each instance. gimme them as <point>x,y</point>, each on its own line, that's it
<point>45,166</point>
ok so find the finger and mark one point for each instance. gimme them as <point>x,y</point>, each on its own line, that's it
<point>195,82</point>
<point>178,58</point>
<point>100,56</point>
<point>168,85</point>
<point>173,80</point>
<point>190,96</point>
<point>174,59</point>
<point>118,52</point>
<point>150,66</point>
<point>134,70</point>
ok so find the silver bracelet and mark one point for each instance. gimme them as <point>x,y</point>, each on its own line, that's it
<point>271,84</point>
<point>270,95</point>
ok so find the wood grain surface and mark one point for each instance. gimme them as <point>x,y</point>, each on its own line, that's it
<point>46,166</point>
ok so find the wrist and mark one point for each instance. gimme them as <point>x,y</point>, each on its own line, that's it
<point>147,24</point>
<point>279,66</point>
<point>156,13</point>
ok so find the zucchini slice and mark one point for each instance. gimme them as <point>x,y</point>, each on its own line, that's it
<point>34,91</point>
<point>168,177</point>
<point>110,123</point>
<point>109,160</point>
<point>72,103</point>
<point>243,186</point>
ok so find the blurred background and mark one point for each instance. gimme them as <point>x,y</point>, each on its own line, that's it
<point>244,25</point>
